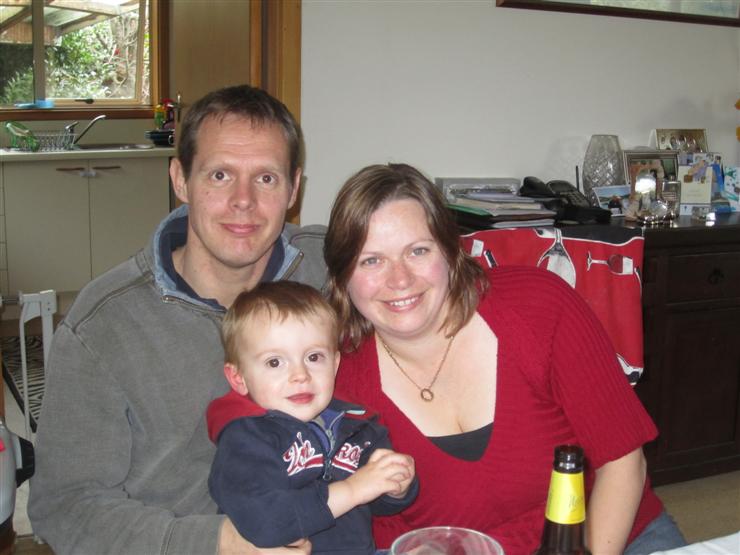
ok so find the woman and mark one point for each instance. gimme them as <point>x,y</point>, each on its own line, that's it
<point>480,375</point>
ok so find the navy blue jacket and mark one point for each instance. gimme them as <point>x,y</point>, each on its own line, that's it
<point>271,474</point>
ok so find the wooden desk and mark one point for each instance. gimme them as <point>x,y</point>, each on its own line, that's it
<point>691,318</point>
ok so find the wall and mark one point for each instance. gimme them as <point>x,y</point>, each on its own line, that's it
<point>468,89</point>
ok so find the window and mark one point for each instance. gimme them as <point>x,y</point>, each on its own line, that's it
<point>79,53</point>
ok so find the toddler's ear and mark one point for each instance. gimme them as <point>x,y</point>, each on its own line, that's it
<point>235,378</point>
<point>338,356</point>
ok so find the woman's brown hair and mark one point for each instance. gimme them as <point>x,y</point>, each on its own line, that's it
<point>358,199</point>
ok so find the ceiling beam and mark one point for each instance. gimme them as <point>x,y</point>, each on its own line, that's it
<point>13,19</point>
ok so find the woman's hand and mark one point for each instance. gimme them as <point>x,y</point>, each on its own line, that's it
<point>230,542</point>
<point>614,501</point>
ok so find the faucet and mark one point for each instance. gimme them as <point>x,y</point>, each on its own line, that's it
<point>89,125</point>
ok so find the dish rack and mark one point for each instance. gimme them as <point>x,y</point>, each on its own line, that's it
<point>54,140</point>
<point>47,141</point>
<point>22,138</point>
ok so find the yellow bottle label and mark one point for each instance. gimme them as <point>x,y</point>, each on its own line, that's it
<point>565,502</point>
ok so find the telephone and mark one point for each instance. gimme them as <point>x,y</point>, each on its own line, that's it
<point>569,202</point>
<point>534,187</point>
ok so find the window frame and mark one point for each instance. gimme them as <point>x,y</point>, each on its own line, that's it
<point>159,62</point>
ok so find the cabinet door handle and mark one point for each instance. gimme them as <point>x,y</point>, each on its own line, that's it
<point>716,277</point>
<point>106,167</point>
<point>80,169</point>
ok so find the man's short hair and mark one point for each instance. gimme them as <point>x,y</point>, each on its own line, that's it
<point>250,103</point>
<point>279,300</point>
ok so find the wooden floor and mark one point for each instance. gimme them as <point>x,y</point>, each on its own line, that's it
<point>25,545</point>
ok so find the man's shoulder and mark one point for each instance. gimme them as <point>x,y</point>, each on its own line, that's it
<point>309,241</point>
<point>115,285</point>
<point>312,235</point>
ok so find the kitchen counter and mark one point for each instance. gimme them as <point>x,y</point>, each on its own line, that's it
<point>7,155</point>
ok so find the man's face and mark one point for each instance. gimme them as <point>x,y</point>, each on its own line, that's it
<point>238,191</point>
<point>287,365</point>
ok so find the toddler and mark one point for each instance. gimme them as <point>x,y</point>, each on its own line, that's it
<point>291,461</point>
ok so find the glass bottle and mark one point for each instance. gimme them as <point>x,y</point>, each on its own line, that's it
<point>565,515</point>
<point>159,116</point>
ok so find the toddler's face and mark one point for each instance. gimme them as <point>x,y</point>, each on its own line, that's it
<point>289,365</point>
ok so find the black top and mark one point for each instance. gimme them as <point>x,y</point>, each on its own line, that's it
<point>468,446</point>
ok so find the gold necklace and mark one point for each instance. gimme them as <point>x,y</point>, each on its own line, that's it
<point>426,392</point>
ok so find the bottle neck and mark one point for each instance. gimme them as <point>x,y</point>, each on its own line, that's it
<point>565,500</point>
<point>565,515</point>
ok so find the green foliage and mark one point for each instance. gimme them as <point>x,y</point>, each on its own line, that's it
<point>97,61</point>
<point>81,65</point>
<point>18,88</point>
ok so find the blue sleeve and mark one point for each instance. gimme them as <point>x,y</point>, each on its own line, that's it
<point>249,483</point>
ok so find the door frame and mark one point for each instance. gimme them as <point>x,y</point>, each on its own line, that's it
<point>275,57</point>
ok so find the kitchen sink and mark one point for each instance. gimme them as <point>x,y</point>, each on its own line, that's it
<point>113,146</point>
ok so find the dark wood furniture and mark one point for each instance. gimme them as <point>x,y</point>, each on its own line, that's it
<point>691,383</point>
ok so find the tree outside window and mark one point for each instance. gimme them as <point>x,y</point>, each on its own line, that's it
<point>95,51</point>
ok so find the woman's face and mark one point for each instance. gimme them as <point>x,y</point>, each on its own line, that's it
<point>400,282</point>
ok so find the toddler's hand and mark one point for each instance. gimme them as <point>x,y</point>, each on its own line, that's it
<point>384,472</point>
<point>404,478</point>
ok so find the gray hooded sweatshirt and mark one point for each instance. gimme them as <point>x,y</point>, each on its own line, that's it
<point>122,451</point>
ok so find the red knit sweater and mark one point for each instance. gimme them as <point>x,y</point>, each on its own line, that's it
<point>558,381</point>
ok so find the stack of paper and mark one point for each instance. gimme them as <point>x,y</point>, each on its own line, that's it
<point>498,210</point>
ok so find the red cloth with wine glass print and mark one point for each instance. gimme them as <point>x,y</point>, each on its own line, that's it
<point>602,263</point>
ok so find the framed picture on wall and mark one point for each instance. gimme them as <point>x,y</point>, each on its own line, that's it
<point>645,170</point>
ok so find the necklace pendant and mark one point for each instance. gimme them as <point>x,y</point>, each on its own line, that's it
<point>427,395</point>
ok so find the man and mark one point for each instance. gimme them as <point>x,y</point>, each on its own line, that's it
<point>122,451</point>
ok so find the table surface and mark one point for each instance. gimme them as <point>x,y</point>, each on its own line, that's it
<point>726,545</point>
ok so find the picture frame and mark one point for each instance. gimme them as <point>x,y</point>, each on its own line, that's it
<point>614,198</point>
<point>645,170</point>
<point>682,140</point>
<point>700,11</point>
<point>671,194</point>
<point>696,183</point>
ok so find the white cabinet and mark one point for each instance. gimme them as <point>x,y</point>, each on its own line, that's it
<point>68,221</point>
<point>128,198</point>
<point>47,225</point>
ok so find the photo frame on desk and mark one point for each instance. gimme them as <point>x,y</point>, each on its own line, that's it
<point>614,198</point>
<point>696,184</point>
<point>683,140</point>
<point>645,170</point>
